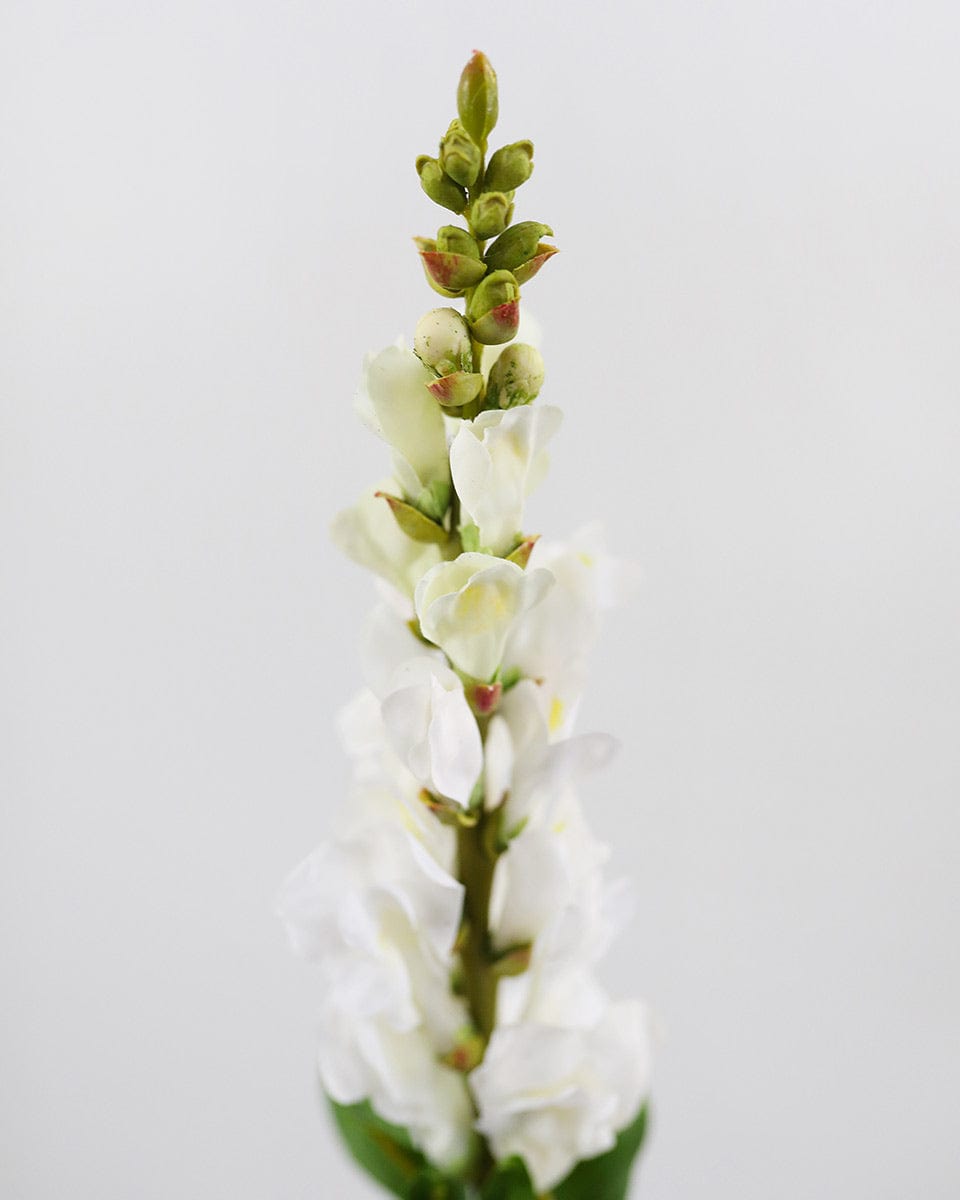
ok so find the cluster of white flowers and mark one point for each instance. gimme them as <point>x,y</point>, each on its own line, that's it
<point>474,664</point>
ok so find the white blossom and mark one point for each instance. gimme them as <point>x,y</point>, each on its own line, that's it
<point>522,761</point>
<point>369,534</point>
<point>469,606</point>
<point>394,402</point>
<point>553,645</point>
<point>555,1096</point>
<point>432,729</point>
<point>496,461</point>
<point>379,916</point>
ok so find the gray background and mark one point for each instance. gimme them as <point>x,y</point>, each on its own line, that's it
<point>205,213</point>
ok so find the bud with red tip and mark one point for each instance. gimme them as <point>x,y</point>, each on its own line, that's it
<point>477,99</point>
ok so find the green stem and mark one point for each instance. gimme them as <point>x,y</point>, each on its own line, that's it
<point>476,868</point>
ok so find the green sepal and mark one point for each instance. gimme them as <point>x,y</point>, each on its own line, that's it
<point>515,960</point>
<point>434,500</point>
<point>412,521</point>
<point>521,554</point>
<point>510,678</point>
<point>526,271</point>
<point>606,1177</point>
<point>470,538</point>
<point>448,812</point>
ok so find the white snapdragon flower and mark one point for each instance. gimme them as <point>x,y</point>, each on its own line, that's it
<point>497,460</point>
<point>521,761</point>
<point>469,606</point>
<point>399,1073</point>
<point>556,1096</point>
<point>432,729</point>
<point>394,402</point>
<point>387,792</point>
<point>379,916</point>
<point>554,644</point>
<point>369,534</point>
<point>549,890</point>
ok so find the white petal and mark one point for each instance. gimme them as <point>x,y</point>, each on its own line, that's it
<point>456,750</point>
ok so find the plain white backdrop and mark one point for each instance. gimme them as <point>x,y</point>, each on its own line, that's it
<point>754,328</point>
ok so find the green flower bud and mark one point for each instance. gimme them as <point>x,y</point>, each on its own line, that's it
<point>451,239</point>
<point>460,155</point>
<point>516,245</point>
<point>509,167</point>
<point>442,341</point>
<point>440,187</point>
<point>477,101</point>
<point>515,378</point>
<point>490,214</point>
<point>494,309</point>
<point>466,1054</point>
<point>413,522</point>
<point>457,389</point>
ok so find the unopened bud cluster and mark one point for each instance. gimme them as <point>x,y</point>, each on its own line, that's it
<point>485,261</point>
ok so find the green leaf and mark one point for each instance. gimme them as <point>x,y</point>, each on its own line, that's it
<point>384,1150</point>
<point>431,1185</point>
<point>510,1181</point>
<point>608,1176</point>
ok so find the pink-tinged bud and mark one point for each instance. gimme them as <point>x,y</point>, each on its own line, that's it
<point>494,309</point>
<point>499,325</point>
<point>484,698</point>
<point>457,389</point>
<point>449,274</point>
<point>467,1052</point>
<point>521,555</point>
